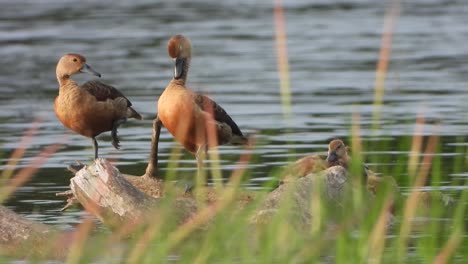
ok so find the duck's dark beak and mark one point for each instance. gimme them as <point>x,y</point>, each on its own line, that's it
<point>332,157</point>
<point>87,69</point>
<point>179,67</point>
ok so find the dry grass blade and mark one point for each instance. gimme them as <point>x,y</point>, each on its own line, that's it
<point>198,220</point>
<point>356,142</point>
<point>377,237</point>
<point>144,242</point>
<point>282,56</point>
<point>207,213</point>
<point>384,58</point>
<point>80,237</point>
<point>416,146</point>
<point>25,174</point>
<point>449,249</point>
<point>413,200</point>
<point>18,153</point>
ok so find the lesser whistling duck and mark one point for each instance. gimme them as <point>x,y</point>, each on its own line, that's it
<point>91,108</point>
<point>337,155</point>
<point>195,120</point>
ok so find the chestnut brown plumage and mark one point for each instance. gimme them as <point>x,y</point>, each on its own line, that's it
<point>91,108</point>
<point>195,120</point>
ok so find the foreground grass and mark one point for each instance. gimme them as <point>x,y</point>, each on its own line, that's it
<point>425,229</point>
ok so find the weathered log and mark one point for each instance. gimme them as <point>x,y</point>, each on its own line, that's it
<point>106,193</point>
<point>25,238</point>
<point>102,190</point>
<point>329,186</point>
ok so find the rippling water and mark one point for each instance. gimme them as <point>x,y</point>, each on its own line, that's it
<point>333,48</point>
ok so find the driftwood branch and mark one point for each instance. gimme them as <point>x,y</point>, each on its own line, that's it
<point>102,190</point>
<point>16,228</point>
<point>101,187</point>
<point>25,238</point>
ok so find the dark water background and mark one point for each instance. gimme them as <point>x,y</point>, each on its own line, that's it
<point>333,49</point>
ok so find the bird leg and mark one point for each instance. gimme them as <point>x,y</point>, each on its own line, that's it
<point>95,145</point>
<point>152,168</point>
<point>115,125</point>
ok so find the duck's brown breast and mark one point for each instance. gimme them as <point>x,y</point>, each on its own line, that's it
<point>182,117</point>
<point>82,113</point>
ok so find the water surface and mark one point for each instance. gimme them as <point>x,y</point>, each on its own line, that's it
<point>333,49</point>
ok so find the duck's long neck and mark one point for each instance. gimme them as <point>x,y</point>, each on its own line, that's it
<point>65,82</point>
<point>181,80</point>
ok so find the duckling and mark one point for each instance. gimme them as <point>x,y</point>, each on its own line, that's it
<point>91,108</point>
<point>308,164</point>
<point>195,120</point>
<point>337,156</point>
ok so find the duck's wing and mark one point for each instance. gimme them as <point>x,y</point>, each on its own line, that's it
<point>102,91</point>
<point>219,114</point>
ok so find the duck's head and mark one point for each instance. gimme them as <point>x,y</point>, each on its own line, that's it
<point>179,48</point>
<point>73,63</point>
<point>336,151</point>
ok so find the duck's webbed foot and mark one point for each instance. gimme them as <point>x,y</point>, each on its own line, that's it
<point>115,125</point>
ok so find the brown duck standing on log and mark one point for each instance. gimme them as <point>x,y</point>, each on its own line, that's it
<point>195,120</point>
<point>91,108</point>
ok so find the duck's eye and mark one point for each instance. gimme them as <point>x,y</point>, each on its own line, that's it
<point>75,59</point>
